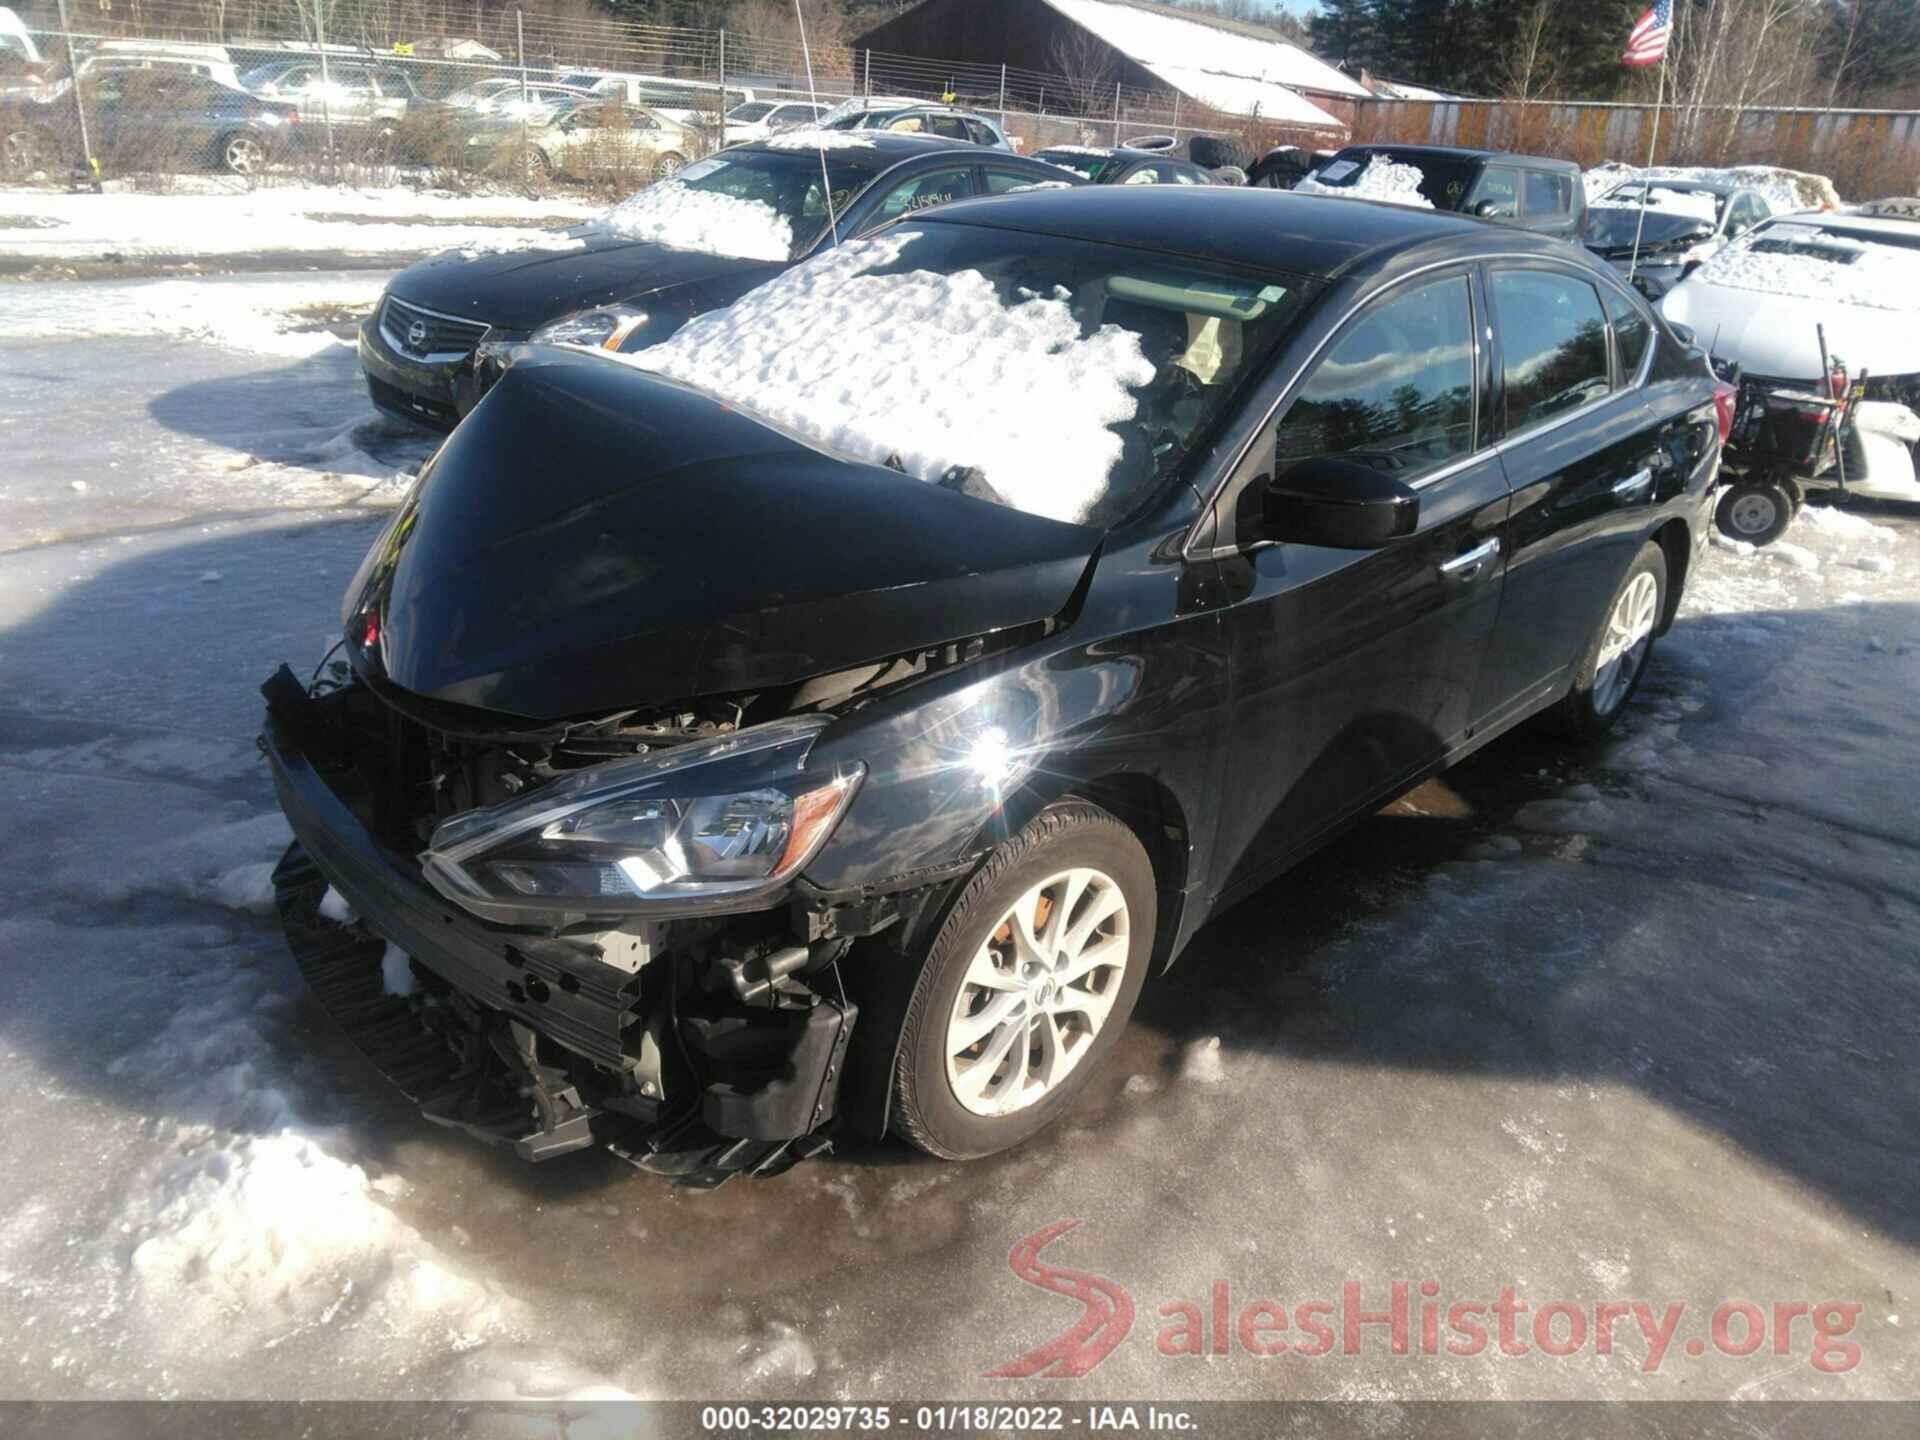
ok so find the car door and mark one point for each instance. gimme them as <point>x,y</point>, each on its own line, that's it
<point>1496,194</point>
<point>1548,197</point>
<point>1354,670</point>
<point>1582,464</point>
<point>919,188</point>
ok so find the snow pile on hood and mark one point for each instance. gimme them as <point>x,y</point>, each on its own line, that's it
<point>672,213</point>
<point>1379,179</point>
<point>933,369</point>
<point>1698,204</point>
<point>1879,277</point>
<point>820,140</point>
<point>1784,190</point>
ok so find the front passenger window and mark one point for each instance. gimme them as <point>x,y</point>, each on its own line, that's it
<point>1396,392</point>
<point>1553,344</point>
<point>922,192</point>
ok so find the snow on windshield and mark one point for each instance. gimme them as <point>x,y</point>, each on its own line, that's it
<point>820,140</point>
<point>934,370</point>
<point>1808,263</point>
<point>1380,178</point>
<point>672,213</point>
<point>1696,204</point>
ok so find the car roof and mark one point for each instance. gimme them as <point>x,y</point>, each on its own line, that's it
<point>1461,152</point>
<point>888,145</point>
<point>1252,227</point>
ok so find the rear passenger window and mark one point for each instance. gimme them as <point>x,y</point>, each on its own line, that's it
<point>999,182</point>
<point>1396,392</point>
<point>1549,193</point>
<point>1632,333</point>
<point>1553,344</point>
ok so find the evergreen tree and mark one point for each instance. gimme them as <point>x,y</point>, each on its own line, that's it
<point>1343,32</point>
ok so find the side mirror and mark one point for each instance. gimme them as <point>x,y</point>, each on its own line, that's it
<point>1684,334</point>
<point>1339,504</point>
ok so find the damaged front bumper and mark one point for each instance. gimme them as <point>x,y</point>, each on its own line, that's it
<point>686,1049</point>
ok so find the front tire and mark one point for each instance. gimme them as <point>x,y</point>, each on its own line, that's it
<point>1610,670</point>
<point>1755,511</point>
<point>1027,986</point>
<point>670,163</point>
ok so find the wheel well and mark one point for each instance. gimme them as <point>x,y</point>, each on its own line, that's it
<point>1677,544</point>
<point>1154,814</point>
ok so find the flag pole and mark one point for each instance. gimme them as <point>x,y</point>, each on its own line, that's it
<point>1646,184</point>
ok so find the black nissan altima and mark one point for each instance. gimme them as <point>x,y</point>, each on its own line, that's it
<point>823,721</point>
<point>682,246</point>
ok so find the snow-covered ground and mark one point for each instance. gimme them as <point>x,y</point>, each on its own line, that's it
<point>216,218</point>
<point>1626,1024</point>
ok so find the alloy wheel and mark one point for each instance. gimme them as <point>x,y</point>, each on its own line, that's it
<point>1624,647</point>
<point>244,154</point>
<point>1037,992</point>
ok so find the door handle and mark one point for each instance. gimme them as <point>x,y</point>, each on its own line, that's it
<point>1634,485</point>
<point>1466,567</point>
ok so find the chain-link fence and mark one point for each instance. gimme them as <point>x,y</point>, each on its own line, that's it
<point>266,88</point>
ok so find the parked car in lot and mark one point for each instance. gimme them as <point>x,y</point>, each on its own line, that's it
<point>1661,231</point>
<point>915,117</point>
<point>143,119</point>
<point>1806,304</point>
<point>825,719</point>
<point>348,93</point>
<point>734,220</point>
<point>1527,191</point>
<point>757,119</point>
<point>593,138</point>
<point>1124,165</point>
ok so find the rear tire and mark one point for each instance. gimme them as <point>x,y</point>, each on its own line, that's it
<point>243,153</point>
<point>1616,658</point>
<point>1755,511</point>
<point>1027,985</point>
<point>27,151</point>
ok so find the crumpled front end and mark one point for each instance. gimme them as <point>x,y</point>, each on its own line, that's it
<point>700,1046</point>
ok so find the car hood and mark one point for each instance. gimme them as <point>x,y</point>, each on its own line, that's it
<point>518,289</point>
<point>1779,335</point>
<point>1610,229</point>
<point>593,538</point>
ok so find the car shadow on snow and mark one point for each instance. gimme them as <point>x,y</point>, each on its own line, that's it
<point>292,415</point>
<point>1449,934</point>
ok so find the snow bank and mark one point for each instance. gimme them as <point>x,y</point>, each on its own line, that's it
<point>263,317</point>
<point>225,218</point>
<point>1379,179</point>
<point>908,365</point>
<point>672,213</point>
<point>1784,190</point>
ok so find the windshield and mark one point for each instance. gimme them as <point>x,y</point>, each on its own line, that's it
<point>1060,377</point>
<point>751,111</point>
<point>754,204</point>
<point>1702,205</point>
<point>1613,227</point>
<point>1404,178</point>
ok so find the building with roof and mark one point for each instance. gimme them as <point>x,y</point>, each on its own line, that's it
<point>1225,65</point>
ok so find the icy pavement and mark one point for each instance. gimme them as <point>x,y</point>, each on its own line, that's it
<point>1631,1024</point>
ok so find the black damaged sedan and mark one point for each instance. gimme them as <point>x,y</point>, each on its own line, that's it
<point>809,728</point>
<point>445,327</point>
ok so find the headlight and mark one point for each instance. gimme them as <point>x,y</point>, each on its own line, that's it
<point>700,827</point>
<point>604,328</point>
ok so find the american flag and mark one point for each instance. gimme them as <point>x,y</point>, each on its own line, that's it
<point>1647,45</point>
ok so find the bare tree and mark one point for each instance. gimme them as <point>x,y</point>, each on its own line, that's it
<point>1085,63</point>
<point>1531,65</point>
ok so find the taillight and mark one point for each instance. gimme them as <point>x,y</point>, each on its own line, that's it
<point>1724,397</point>
<point>292,117</point>
<point>1837,383</point>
